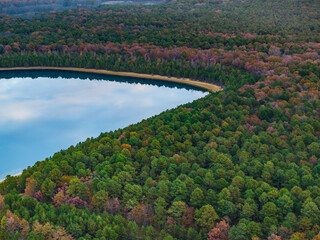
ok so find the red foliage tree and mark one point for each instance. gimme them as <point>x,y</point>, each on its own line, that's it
<point>188,217</point>
<point>77,202</point>
<point>274,237</point>
<point>171,221</point>
<point>142,214</point>
<point>31,185</point>
<point>60,198</point>
<point>220,231</point>
<point>113,205</point>
<point>1,203</point>
<point>39,196</point>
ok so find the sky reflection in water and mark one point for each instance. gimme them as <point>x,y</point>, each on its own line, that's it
<point>39,116</point>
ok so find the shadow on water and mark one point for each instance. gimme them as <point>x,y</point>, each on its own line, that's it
<point>94,76</point>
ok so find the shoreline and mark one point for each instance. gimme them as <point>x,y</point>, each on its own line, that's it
<point>15,175</point>
<point>207,86</point>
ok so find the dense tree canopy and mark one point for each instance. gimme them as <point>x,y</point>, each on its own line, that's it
<point>242,163</point>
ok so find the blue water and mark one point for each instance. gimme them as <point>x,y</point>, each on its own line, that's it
<point>42,112</point>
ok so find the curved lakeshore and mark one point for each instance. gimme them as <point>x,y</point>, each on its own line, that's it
<point>207,86</point>
<point>69,106</point>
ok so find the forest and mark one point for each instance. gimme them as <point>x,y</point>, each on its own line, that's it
<point>242,163</point>
<point>29,8</point>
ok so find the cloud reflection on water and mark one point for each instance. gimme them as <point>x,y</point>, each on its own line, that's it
<point>40,116</point>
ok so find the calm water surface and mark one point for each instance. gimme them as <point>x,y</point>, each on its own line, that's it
<point>42,112</point>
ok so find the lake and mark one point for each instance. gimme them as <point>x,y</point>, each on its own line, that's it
<point>42,112</point>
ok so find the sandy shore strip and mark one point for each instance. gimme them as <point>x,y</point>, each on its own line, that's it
<point>207,86</point>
